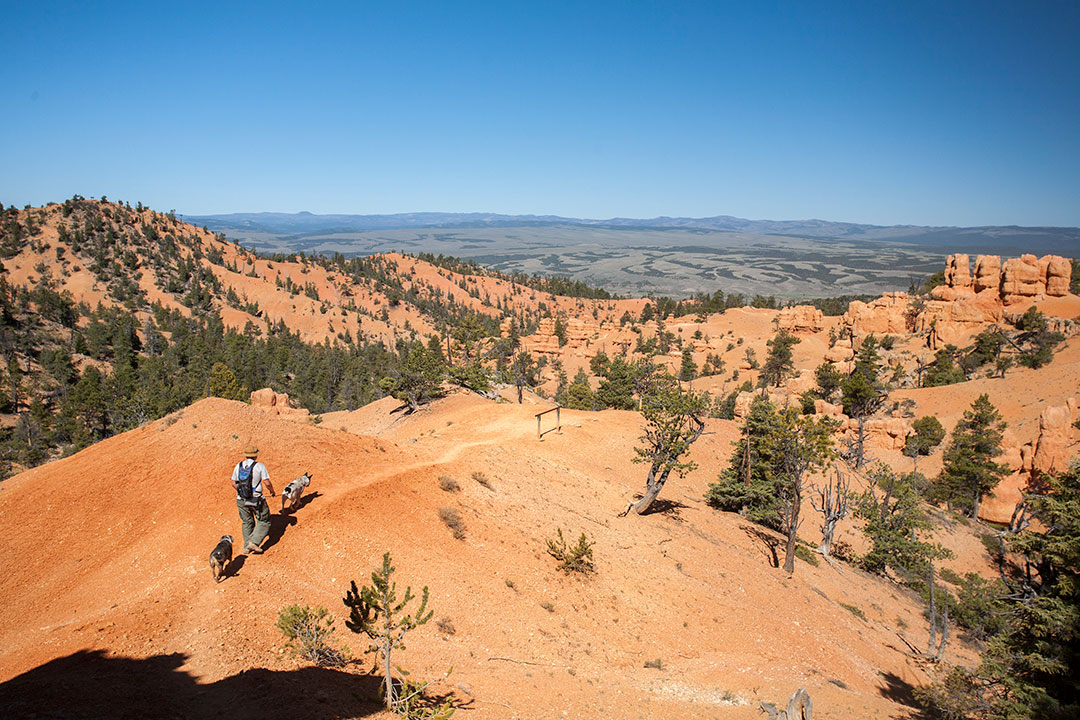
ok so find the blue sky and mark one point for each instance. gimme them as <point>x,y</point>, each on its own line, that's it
<point>906,112</point>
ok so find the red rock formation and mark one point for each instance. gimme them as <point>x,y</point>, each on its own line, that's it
<point>276,403</point>
<point>957,274</point>
<point>987,273</point>
<point>801,319</point>
<point>1051,451</point>
<point>1056,435</point>
<point>886,315</point>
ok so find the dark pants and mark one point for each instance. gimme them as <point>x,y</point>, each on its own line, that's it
<point>255,521</point>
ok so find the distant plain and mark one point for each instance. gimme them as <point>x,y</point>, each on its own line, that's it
<point>819,260</point>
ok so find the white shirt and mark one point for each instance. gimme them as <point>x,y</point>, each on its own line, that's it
<point>258,474</point>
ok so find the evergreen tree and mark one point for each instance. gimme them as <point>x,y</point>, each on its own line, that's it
<point>419,378</point>
<point>778,363</point>
<point>927,434</point>
<point>376,611</point>
<point>748,485</point>
<point>1028,671</point>
<point>673,421</point>
<point>895,523</point>
<point>524,372</point>
<point>223,383</point>
<point>829,380</point>
<point>799,444</point>
<point>943,371</point>
<point>688,368</point>
<point>617,388</point>
<point>969,470</point>
<point>579,395</point>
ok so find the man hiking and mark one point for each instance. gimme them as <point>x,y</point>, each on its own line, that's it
<point>248,477</point>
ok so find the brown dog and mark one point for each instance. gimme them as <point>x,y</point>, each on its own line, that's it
<point>220,557</point>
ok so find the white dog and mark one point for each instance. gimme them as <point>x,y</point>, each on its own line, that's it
<point>290,496</point>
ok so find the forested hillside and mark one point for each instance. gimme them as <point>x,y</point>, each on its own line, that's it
<point>114,315</point>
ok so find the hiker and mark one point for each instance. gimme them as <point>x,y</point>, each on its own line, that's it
<point>248,477</point>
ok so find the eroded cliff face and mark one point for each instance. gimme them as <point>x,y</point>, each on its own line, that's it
<point>1050,451</point>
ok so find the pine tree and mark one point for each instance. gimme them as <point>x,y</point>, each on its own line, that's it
<point>579,394</point>
<point>1028,671</point>
<point>969,470</point>
<point>673,421</point>
<point>747,485</point>
<point>418,380</point>
<point>688,368</point>
<point>376,611</point>
<point>895,523</point>
<point>222,383</point>
<point>617,388</point>
<point>778,363</point>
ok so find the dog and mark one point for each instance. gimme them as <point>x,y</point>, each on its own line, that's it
<point>220,557</point>
<point>290,496</point>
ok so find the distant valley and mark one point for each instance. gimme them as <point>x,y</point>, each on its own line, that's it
<point>665,256</point>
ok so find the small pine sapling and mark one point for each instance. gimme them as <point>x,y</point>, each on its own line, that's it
<point>575,558</point>
<point>376,611</point>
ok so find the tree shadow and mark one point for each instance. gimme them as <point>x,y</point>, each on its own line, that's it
<point>91,684</point>
<point>770,543</point>
<point>898,690</point>
<point>278,525</point>
<point>671,508</point>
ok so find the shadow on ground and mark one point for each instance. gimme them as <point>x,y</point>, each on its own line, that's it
<point>90,684</point>
<point>898,690</point>
<point>769,542</point>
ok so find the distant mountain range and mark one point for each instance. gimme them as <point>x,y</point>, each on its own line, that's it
<point>1064,240</point>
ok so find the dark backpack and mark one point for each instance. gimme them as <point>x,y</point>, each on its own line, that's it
<point>244,476</point>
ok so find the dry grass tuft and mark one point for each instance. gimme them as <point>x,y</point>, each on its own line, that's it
<point>453,520</point>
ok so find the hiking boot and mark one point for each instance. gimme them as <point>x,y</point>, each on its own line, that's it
<point>253,550</point>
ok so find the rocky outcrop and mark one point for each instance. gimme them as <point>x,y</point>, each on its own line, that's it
<point>887,315</point>
<point>276,403</point>
<point>987,273</point>
<point>840,352</point>
<point>1058,276</point>
<point>1017,280</point>
<point>957,272</point>
<point>890,432</point>
<point>544,342</point>
<point>967,301</point>
<point>1021,278</point>
<point>1056,436</point>
<point>823,407</point>
<point>1052,450</point>
<point>801,319</point>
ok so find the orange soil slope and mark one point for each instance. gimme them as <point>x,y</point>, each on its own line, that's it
<point>106,552</point>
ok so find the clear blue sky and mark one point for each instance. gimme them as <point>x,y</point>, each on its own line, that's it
<point>905,112</point>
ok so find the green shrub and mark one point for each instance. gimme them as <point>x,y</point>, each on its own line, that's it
<point>308,632</point>
<point>857,612</point>
<point>572,558</point>
<point>806,555</point>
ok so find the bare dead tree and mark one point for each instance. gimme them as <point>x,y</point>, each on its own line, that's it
<point>832,502</point>
<point>798,707</point>
<point>936,649</point>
